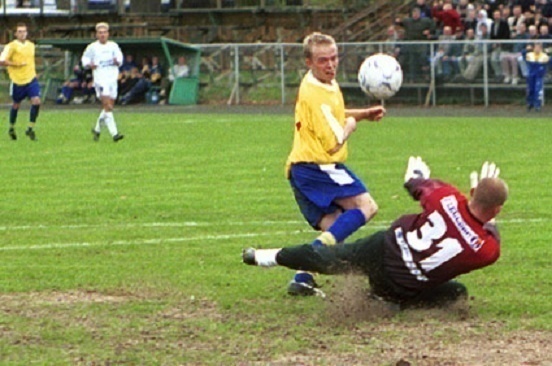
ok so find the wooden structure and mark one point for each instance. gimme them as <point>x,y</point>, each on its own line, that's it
<point>209,21</point>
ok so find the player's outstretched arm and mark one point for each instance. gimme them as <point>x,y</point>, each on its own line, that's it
<point>416,169</point>
<point>488,170</point>
<point>371,114</point>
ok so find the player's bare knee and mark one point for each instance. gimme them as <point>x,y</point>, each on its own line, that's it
<point>370,210</point>
<point>369,207</point>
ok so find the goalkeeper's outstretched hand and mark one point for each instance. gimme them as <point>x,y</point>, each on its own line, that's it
<point>416,168</point>
<point>488,170</point>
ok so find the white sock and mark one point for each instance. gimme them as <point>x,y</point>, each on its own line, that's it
<point>266,257</point>
<point>99,121</point>
<point>109,121</point>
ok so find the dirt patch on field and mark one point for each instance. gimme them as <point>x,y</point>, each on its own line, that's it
<point>430,345</point>
<point>59,297</point>
<point>351,331</point>
<point>446,336</point>
<point>349,303</point>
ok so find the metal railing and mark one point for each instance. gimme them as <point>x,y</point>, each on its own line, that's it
<point>272,72</point>
<point>248,71</point>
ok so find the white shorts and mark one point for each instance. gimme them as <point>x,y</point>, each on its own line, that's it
<point>106,89</point>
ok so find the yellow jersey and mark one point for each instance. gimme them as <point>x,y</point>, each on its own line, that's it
<point>540,57</point>
<point>319,122</point>
<point>20,53</point>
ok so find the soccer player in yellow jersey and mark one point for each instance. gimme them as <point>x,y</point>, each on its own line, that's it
<point>330,196</point>
<point>19,58</point>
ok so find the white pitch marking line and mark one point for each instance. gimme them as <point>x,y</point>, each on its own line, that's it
<point>371,224</point>
<point>151,224</point>
<point>375,225</point>
<point>148,241</point>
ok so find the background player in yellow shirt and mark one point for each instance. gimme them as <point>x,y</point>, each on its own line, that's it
<point>330,196</point>
<point>19,58</point>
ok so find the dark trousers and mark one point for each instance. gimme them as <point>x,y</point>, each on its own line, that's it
<point>535,90</point>
<point>366,256</point>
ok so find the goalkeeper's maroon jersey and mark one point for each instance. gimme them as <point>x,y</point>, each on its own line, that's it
<point>445,240</point>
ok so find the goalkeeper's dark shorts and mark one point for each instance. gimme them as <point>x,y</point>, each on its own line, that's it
<point>365,256</point>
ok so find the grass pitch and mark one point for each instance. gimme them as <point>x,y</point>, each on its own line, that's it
<point>129,253</point>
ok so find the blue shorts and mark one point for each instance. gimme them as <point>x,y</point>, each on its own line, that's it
<point>20,92</point>
<point>316,187</point>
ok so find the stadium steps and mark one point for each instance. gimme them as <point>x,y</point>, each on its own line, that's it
<point>370,23</point>
<point>228,25</point>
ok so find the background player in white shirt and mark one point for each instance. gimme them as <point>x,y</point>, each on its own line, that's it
<point>104,57</point>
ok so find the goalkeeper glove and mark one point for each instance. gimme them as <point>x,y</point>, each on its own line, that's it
<point>416,168</point>
<point>488,170</point>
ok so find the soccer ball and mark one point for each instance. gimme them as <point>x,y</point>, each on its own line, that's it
<point>380,76</point>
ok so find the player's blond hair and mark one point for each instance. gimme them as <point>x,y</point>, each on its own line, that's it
<point>102,25</point>
<point>490,193</point>
<point>315,39</point>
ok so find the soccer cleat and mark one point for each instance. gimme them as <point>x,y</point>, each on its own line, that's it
<point>304,289</point>
<point>12,134</point>
<point>248,256</point>
<point>260,257</point>
<point>307,288</point>
<point>118,137</point>
<point>31,134</point>
<point>96,135</point>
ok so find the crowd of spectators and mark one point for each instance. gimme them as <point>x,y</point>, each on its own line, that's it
<point>456,28</point>
<point>141,82</point>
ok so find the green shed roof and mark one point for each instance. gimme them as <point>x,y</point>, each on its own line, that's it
<point>156,45</point>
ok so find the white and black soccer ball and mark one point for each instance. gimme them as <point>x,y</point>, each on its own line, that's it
<point>380,76</point>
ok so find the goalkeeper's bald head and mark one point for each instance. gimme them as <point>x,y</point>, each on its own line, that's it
<point>490,193</point>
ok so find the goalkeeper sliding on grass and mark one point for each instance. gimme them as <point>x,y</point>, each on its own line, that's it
<point>414,261</point>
